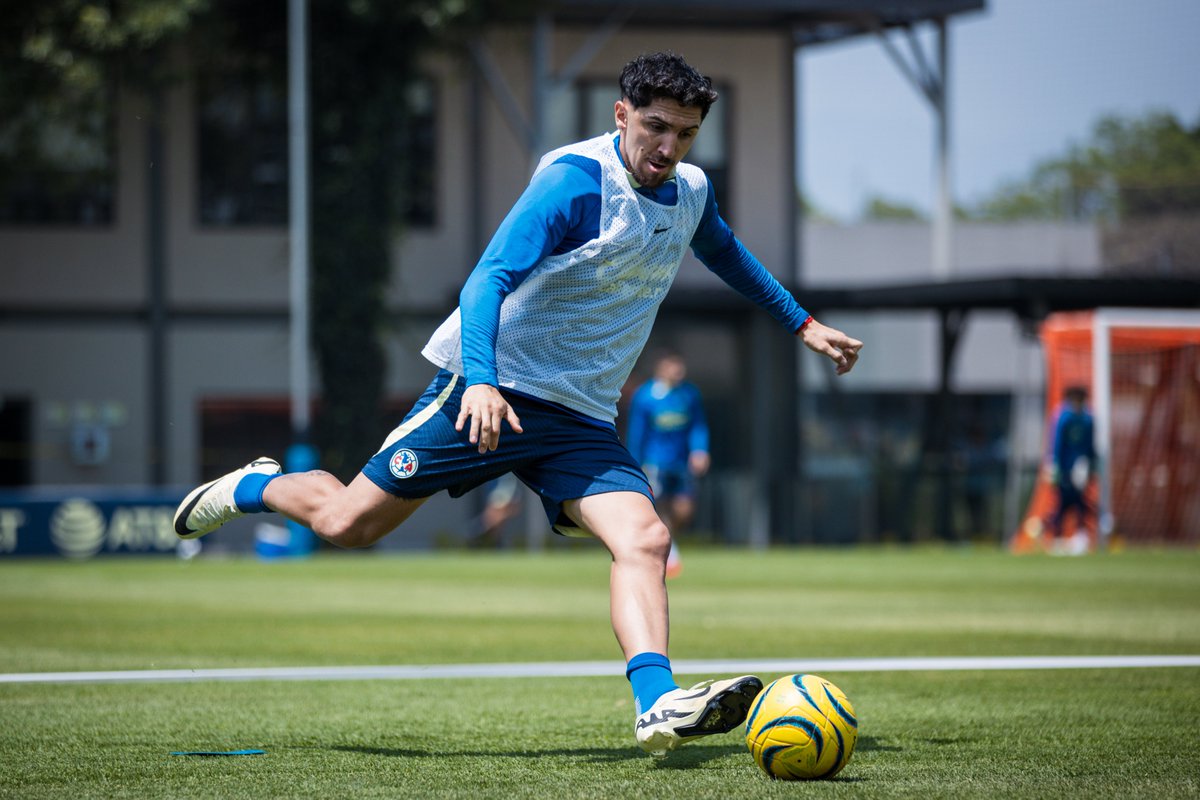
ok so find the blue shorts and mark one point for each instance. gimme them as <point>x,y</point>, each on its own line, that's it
<point>671,481</point>
<point>560,455</point>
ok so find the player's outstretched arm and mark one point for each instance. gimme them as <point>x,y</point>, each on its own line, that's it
<point>840,348</point>
<point>486,408</point>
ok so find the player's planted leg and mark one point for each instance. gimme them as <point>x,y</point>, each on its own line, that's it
<point>639,542</point>
<point>684,714</point>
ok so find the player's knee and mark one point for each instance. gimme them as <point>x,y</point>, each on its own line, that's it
<point>344,530</point>
<point>652,540</point>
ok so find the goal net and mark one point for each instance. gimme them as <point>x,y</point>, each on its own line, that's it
<point>1141,369</point>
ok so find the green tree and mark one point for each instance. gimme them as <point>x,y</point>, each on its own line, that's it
<point>1129,168</point>
<point>74,46</point>
<point>881,209</point>
<point>1152,164</point>
<point>358,105</point>
<point>60,63</point>
<point>811,211</point>
<point>367,58</point>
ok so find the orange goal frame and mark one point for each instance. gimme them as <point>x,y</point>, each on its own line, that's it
<point>1079,350</point>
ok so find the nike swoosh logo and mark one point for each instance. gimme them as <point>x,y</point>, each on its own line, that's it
<point>654,719</point>
<point>660,230</point>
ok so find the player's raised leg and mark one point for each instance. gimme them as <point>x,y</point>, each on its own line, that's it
<point>357,515</point>
<point>210,505</point>
<point>639,542</point>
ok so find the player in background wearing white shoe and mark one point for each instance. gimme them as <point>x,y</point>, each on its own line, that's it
<point>550,324</point>
<point>668,435</point>
<point>1071,467</point>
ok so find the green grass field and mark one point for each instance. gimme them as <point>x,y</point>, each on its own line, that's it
<point>1050,733</point>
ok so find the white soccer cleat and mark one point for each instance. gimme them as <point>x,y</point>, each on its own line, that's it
<point>684,714</point>
<point>210,506</point>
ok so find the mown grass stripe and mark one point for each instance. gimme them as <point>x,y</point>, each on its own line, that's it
<point>585,669</point>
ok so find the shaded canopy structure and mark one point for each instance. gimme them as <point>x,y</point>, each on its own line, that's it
<point>812,21</point>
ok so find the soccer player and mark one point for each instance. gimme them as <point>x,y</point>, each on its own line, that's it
<point>1072,464</point>
<point>531,364</point>
<point>668,435</point>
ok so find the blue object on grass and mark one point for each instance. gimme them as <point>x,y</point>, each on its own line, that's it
<point>219,753</point>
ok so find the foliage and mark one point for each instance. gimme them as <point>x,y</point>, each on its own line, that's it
<point>59,66</point>
<point>1130,168</point>
<point>72,46</point>
<point>811,211</point>
<point>368,54</point>
<point>882,209</point>
<point>1154,163</point>
<point>364,50</point>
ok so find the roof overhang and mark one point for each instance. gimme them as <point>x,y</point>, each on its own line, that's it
<point>811,21</point>
<point>1027,297</point>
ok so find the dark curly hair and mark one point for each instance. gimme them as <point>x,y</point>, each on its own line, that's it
<point>652,75</point>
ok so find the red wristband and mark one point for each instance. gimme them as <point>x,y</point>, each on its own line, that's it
<point>804,324</point>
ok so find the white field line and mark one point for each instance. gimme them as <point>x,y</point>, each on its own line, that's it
<point>584,669</point>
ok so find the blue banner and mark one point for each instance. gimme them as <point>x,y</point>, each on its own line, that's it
<point>85,522</point>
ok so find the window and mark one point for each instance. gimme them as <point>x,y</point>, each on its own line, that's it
<point>242,110</point>
<point>241,101</point>
<point>16,441</point>
<point>418,141</point>
<point>227,424</point>
<point>586,110</point>
<point>57,150</point>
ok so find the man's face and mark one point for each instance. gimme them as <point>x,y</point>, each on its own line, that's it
<point>655,137</point>
<point>671,371</point>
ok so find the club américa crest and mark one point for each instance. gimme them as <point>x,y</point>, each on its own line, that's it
<point>404,464</point>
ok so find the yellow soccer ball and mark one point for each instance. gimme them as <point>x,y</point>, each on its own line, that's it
<point>801,727</point>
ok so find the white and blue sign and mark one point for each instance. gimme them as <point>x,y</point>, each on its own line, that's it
<point>85,524</point>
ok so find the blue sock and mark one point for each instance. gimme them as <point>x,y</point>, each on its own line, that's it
<point>650,676</point>
<point>247,495</point>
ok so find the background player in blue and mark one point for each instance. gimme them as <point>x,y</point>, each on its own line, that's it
<point>1072,464</point>
<point>549,326</point>
<point>668,435</point>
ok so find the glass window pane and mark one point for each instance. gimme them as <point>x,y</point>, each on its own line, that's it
<point>57,150</point>
<point>241,101</point>
<point>562,119</point>
<point>243,156</point>
<point>599,116</point>
<point>418,146</point>
<point>710,144</point>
